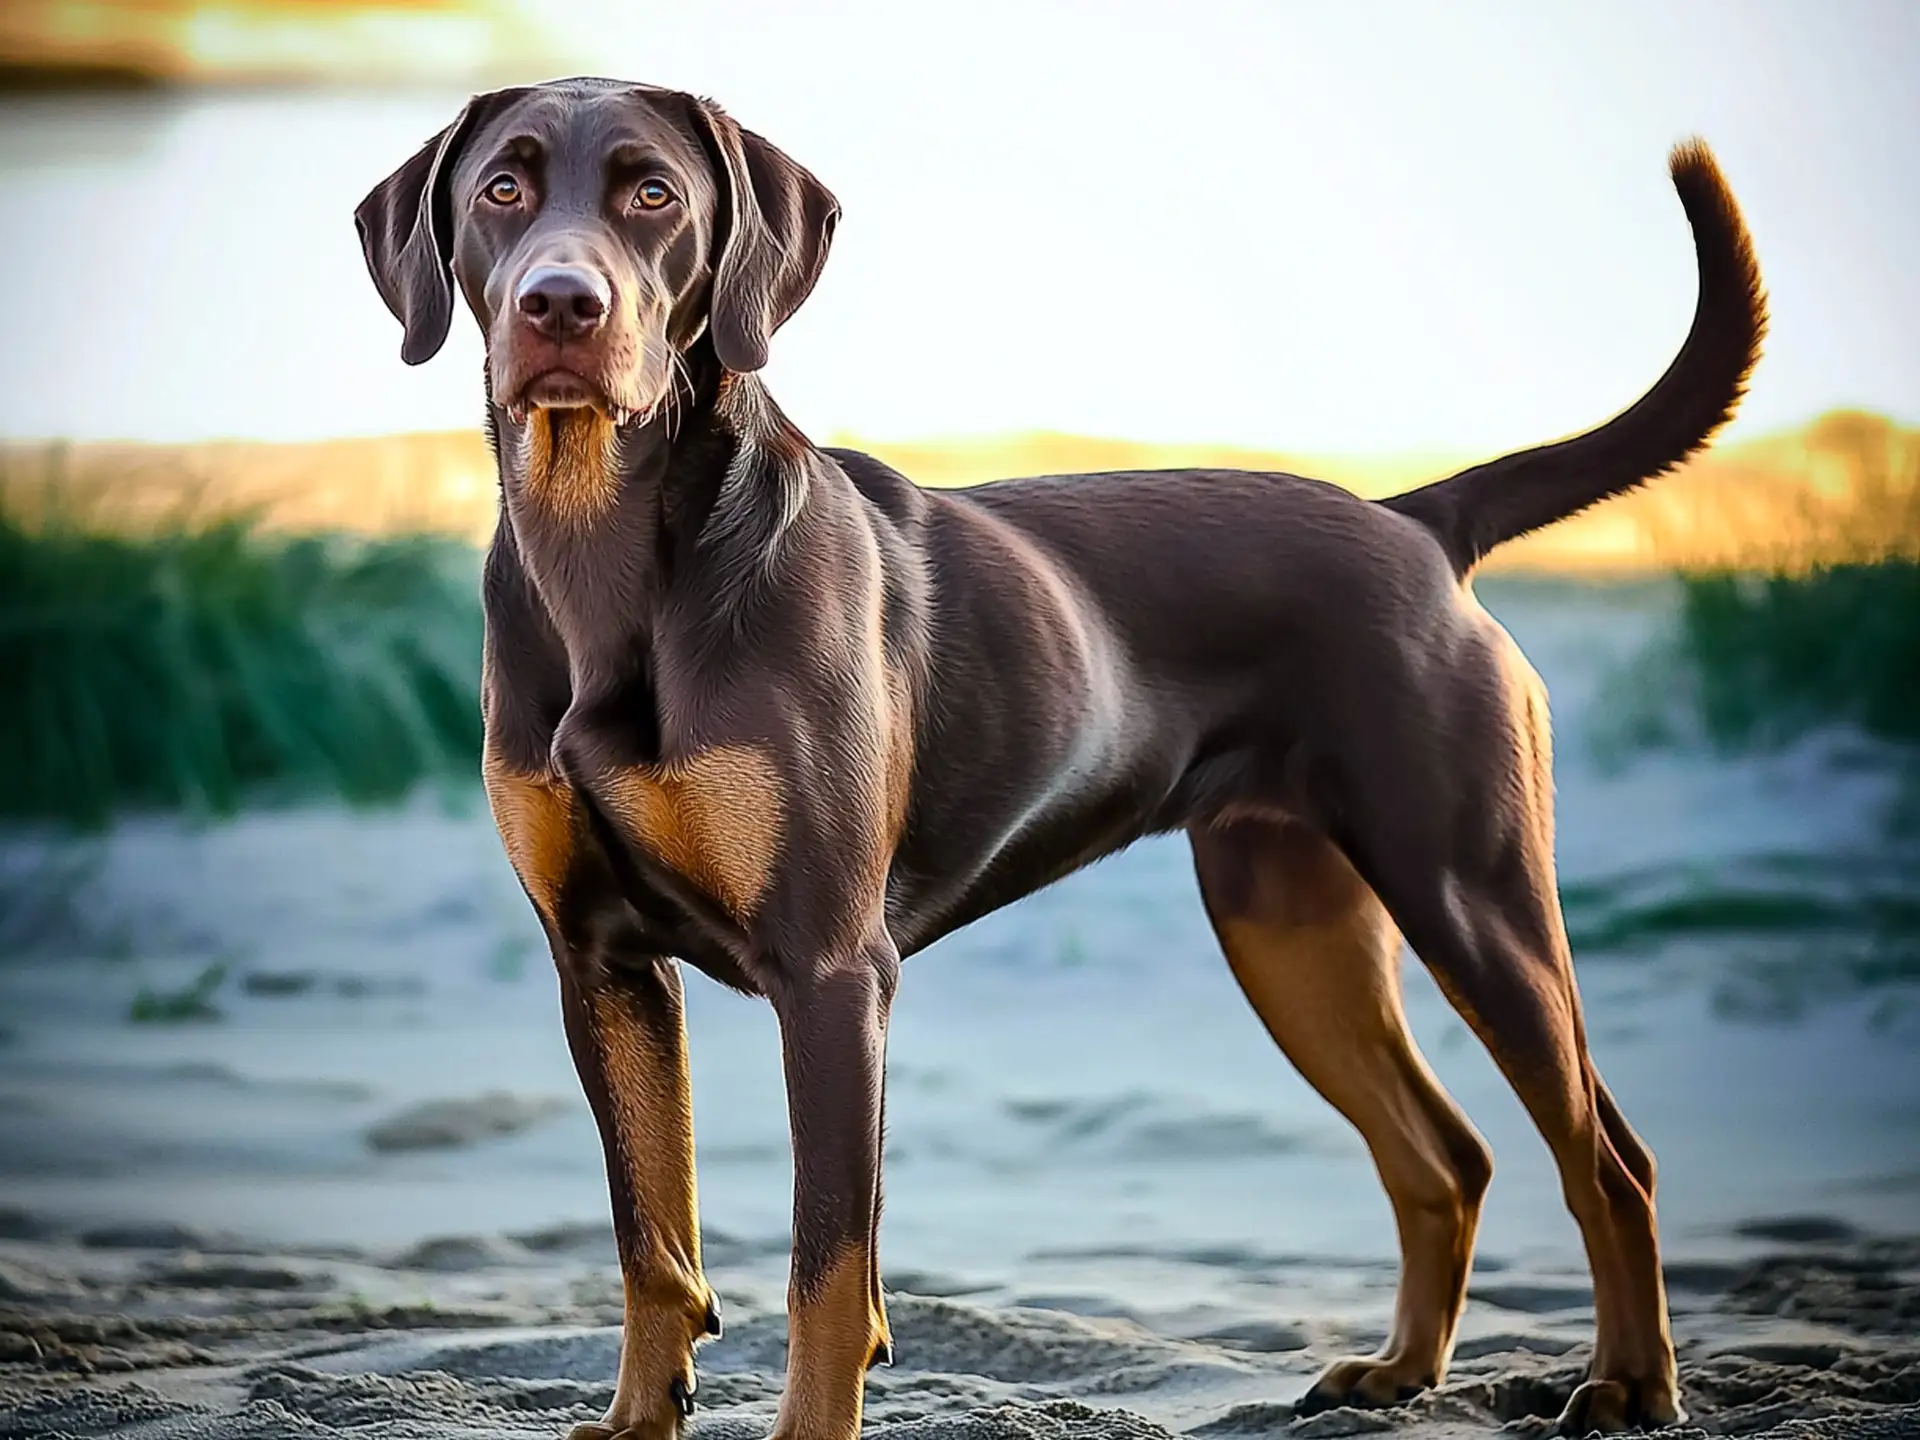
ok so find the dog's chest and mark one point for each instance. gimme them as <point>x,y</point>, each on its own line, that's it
<point>712,816</point>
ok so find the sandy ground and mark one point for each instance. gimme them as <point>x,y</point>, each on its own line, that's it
<point>351,1188</point>
<point>152,1331</point>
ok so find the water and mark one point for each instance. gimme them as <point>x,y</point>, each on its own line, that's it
<point>1079,1099</point>
<point>208,277</point>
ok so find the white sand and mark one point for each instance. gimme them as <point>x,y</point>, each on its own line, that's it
<point>512,1338</point>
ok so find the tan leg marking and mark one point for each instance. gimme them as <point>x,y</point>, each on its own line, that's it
<point>1499,951</point>
<point>713,818</point>
<point>572,468</point>
<point>1606,1173</point>
<point>1319,960</point>
<point>633,1065</point>
<point>832,1336</point>
<point>665,1290</point>
<point>536,822</point>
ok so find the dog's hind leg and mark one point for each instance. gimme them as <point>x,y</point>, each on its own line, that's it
<point>1319,959</point>
<point>1460,848</point>
<point>625,1023</point>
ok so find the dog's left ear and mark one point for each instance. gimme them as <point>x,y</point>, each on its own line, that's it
<point>779,223</point>
<point>406,232</point>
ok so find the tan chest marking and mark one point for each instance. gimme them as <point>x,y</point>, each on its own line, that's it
<point>714,818</point>
<point>536,821</point>
<point>573,469</point>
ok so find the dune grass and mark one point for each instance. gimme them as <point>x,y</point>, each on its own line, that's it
<point>175,635</point>
<point>196,664</point>
<point>1745,504</point>
<point>1776,655</point>
<point>1820,624</point>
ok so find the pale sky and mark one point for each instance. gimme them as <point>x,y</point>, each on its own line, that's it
<point>1353,227</point>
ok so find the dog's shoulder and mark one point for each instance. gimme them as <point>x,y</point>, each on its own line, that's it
<point>879,483</point>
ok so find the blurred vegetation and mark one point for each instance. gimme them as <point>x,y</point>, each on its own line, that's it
<point>194,663</point>
<point>66,45</point>
<point>1778,502</point>
<point>1820,622</point>
<point>191,1001</point>
<point>434,482</point>
<point>193,627</point>
<point>1776,655</point>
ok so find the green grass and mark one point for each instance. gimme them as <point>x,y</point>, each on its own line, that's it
<point>200,664</point>
<point>1773,656</point>
<point>1798,640</point>
<point>192,1001</point>
<point>207,662</point>
<point>1822,626</point>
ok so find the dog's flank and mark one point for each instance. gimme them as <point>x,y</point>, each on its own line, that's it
<point>776,712</point>
<point>1488,505</point>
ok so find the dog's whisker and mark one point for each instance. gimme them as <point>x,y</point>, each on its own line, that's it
<point>677,375</point>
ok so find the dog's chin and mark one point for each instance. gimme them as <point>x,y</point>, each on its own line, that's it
<point>560,390</point>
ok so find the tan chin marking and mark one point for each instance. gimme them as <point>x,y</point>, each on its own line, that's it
<point>573,469</point>
<point>713,817</point>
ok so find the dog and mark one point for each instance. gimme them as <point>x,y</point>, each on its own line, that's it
<point>771,710</point>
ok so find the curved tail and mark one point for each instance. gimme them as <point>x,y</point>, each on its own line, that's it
<point>1472,512</point>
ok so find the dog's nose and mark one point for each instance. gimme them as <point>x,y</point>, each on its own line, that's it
<point>563,302</point>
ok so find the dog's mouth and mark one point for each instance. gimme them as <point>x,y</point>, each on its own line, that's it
<point>562,389</point>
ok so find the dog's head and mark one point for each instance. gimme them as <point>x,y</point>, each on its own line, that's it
<point>597,230</point>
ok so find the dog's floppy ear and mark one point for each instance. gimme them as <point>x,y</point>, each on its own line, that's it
<point>779,223</point>
<point>406,233</point>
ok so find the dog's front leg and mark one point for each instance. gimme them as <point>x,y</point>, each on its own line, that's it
<point>833,1031</point>
<point>625,1018</point>
<point>626,1027</point>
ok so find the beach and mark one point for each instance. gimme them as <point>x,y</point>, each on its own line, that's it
<point>290,1144</point>
<point>148,1333</point>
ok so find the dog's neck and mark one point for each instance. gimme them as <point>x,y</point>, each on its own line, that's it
<point>611,524</point>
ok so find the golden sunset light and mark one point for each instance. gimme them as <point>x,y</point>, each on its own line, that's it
<point>1352,247</point>
<point>292,41</point>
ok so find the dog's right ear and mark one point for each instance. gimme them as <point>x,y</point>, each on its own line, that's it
<point>406,232</point>
<point>779,224</point>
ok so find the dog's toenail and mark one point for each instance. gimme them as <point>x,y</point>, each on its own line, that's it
<point>682,1394</point>
<point>882,1354</point>
<point>713,1316</point>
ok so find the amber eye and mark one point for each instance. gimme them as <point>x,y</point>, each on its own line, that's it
<point>503,190</point>
<point>651,195</point>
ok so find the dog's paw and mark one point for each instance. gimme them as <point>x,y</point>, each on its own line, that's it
<point>668,1425</point>
<point>1364,1383</point>
<point>1611,1406</point>
<point>601,1430</point>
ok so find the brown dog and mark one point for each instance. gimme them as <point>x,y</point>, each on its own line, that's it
<point>772,710</point>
